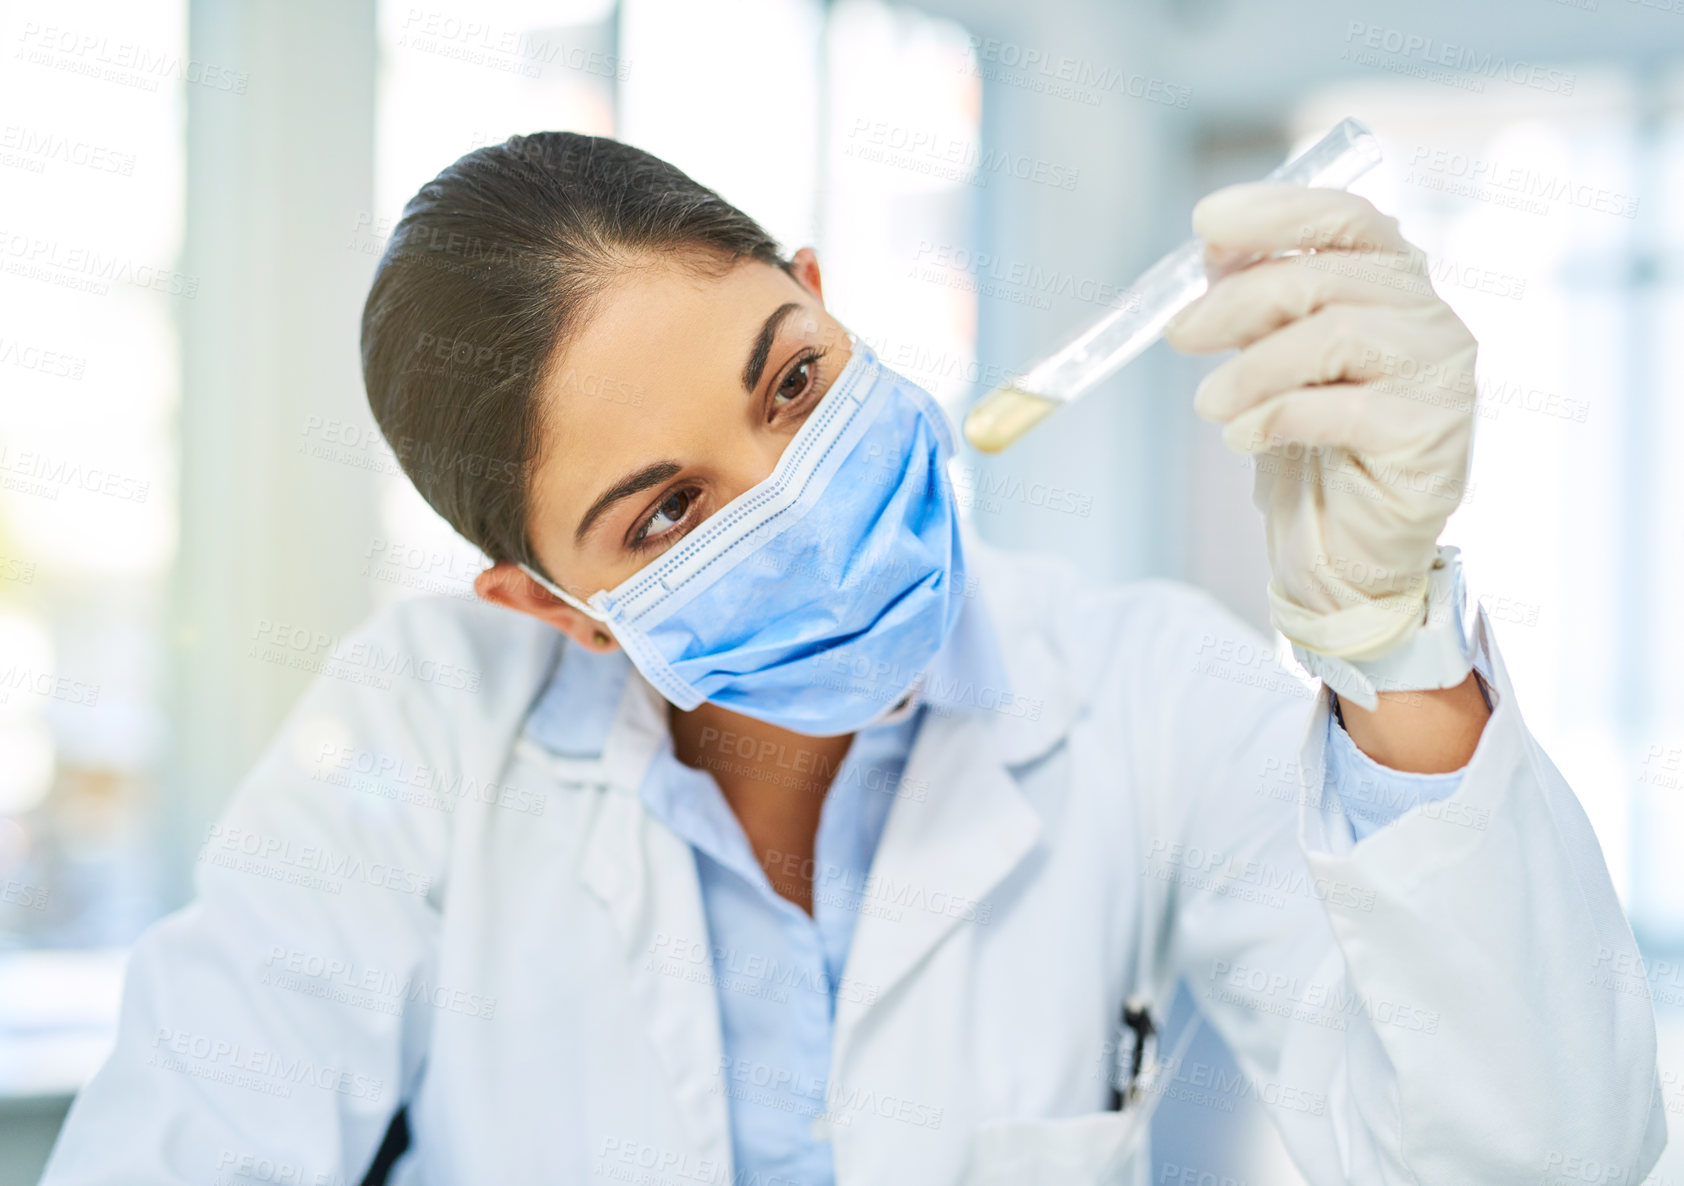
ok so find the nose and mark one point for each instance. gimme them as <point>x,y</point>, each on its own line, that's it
<point>746,459</point>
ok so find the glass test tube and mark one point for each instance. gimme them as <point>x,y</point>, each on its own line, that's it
<point>1163,290</point>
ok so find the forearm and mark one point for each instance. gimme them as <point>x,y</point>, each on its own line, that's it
<point>1420,732</point>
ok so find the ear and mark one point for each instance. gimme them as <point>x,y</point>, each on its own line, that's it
<point>804,266</point>
<point>506,585</point>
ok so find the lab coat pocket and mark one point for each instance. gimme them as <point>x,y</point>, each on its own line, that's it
<point>1096,1148</point>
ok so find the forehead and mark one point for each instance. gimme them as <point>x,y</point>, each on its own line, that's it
<point>652,371</point>
<point>662,321</point>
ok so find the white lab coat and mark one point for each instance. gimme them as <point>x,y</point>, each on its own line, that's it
<point>1443,1004</point>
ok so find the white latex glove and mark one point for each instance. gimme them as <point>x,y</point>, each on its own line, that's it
<point>1353,388</point>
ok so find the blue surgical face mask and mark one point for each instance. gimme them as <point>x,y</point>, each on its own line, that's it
<point>817,598</point>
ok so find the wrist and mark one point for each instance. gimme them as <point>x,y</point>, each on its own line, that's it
<point>1433,653</point>
<point>1432,731</point>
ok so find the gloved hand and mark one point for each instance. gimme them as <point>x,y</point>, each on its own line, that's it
<point>1353,388</point>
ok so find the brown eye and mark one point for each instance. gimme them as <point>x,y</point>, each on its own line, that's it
<point>670,513</point>
<point>664,522</point>
<point>795,383</point>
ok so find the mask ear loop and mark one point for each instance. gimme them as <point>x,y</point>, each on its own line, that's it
<point>557,591</point>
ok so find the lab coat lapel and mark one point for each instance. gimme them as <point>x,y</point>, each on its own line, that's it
<point>645,876</point>
<point>938,859</point>
<point>941,856</point>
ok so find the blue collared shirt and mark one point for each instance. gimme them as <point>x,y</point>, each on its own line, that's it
<point>779,971</point>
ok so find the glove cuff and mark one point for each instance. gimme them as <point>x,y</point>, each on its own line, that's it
<point>1436,654</point>
<point>1366,630</point>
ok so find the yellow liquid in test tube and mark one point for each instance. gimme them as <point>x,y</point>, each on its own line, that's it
<point>1003,415</point>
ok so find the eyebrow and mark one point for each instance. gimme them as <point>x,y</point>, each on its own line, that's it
<point>649,475</point>
<point>763,346</point>
<point>660,471</point>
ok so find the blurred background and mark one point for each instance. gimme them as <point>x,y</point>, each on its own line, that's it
<point>193,195</point>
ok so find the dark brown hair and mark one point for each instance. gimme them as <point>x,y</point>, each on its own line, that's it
<point>489,272</point>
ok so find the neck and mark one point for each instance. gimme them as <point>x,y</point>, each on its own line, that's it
<point>774,781</point>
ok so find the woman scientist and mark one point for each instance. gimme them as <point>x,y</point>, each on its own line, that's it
<point>767,828</point>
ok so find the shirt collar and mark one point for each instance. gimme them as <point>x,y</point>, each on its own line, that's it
<point>574,714</point>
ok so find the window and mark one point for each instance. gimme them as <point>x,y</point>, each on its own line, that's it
<point>92,176</point>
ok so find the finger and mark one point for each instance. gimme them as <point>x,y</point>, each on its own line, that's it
<point>1370,420</point>
<point>1338,415</point>
<point>1337,343</point>
<point>1244,306</point>
<point>1219,262</point>
<point>1269,216</point>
